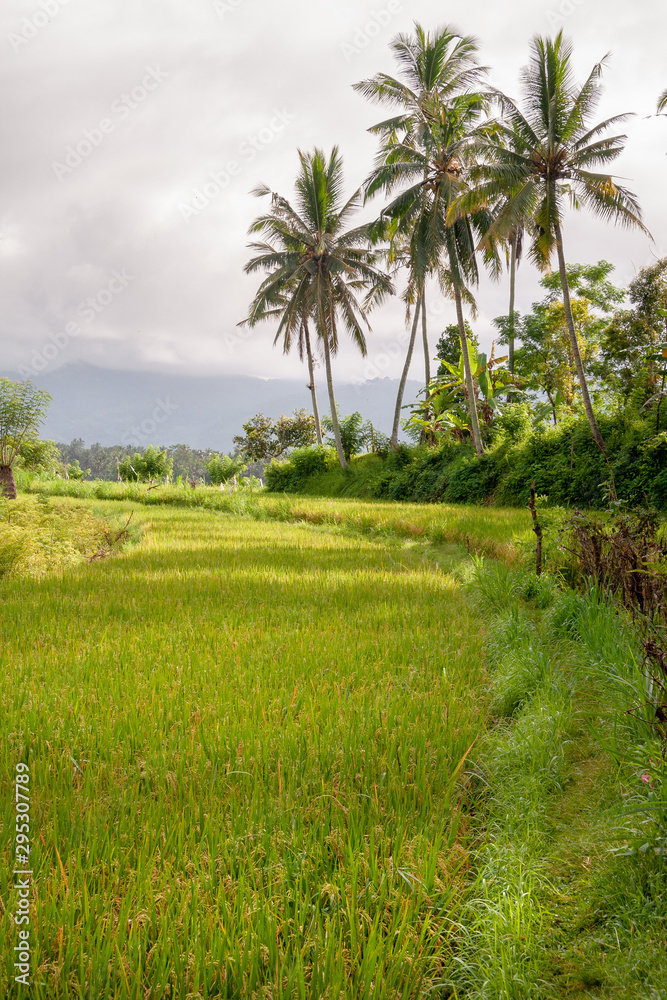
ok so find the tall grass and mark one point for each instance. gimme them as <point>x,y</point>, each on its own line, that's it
<point>568,892</point>
<point>39,536</point>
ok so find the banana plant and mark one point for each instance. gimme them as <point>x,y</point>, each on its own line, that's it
<point>491,382</point>
<point>443,409</point>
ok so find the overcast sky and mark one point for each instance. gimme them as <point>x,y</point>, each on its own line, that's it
<point>115,114</point>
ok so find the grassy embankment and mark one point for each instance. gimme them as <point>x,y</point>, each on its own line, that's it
<point>261,764</point>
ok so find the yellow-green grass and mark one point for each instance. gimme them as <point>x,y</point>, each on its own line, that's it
<point>39,536</point>
<point>245,740</point>
<point>499,533</point>
<point>496,532</point>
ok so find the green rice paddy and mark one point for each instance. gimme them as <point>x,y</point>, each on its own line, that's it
<point>245,739</point>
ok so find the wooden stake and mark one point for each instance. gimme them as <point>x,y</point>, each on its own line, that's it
<point>537,529</point>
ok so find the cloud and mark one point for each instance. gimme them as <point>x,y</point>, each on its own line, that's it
<point>244,83</point>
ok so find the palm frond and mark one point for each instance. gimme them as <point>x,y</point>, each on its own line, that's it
<point>608,200</point>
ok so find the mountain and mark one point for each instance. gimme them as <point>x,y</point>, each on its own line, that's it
<point>204,411</point>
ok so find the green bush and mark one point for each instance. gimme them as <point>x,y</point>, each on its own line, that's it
<point>290,475</point>
<point>515,422</point>
<point>153,464</point>
<point>222,468</point>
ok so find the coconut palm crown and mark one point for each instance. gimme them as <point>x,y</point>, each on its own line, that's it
<point>550,150</point>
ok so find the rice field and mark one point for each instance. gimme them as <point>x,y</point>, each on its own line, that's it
<point>245,738</point>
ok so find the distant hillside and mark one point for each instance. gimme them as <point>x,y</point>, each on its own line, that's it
<point>141,408</point>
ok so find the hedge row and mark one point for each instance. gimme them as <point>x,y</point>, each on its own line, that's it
<point>564,463</point>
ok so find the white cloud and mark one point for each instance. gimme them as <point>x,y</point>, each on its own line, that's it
<point>228,73</point>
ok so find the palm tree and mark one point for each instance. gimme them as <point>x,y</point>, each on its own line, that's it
<point>316,268</point>
<point>662,102</point>
<point>435,68</point>
<point>400,254</point>
<point>433,161</point>
<point>543,153</point>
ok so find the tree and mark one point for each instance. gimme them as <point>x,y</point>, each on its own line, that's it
<point>22,410</point>
<point>39,456</point>
<point>74,471</point>
<point>400,253</point>
<point>632,338</point>
<point>265,438</point>
<point>153,464</point>
<point>547,158</point>
<point>448,347</point>
<point>516,245</point>
<point>662,102</point>
<point>263,309</point>
<point>545,357</point>
<point>515,240</point>
<point>443,410</point>
<point>316,267</point>
<point>297,431</point>
<point>436,70</point>
<point>352,433</point>
<point>433,161</point>
<point>256,445</point>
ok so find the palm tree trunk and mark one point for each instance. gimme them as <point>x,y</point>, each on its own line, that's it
<point>510,328</point>
<point>404,375</point>
<point>332,400</point>
<point>470,387</point>
<point>427,353</point>
<point>576,354</point>
<point>311,376</point>
<point>7,483</point>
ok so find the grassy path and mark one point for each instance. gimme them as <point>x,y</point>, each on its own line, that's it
<point>243,742</point>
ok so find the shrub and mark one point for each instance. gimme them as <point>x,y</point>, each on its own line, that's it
<point>515,422</point>
<point>153,464</point>
<point>352,432</point>
<point>290,475</point>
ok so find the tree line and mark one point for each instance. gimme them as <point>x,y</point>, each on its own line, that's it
<point>473,180</point>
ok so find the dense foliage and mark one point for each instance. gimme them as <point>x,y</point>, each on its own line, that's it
<point>564,462</point>
<point>152,464</point>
